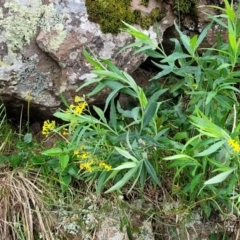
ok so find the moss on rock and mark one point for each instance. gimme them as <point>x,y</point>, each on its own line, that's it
<point>184,6</point>
<point>110,13</point>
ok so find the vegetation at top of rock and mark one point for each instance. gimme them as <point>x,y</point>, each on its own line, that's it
<point>109,15</point>
<point>184,6</point>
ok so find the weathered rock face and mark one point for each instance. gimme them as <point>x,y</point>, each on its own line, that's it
<point>42,42</point>
<point>41,45</point>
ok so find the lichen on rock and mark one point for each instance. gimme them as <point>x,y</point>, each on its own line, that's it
<point>22,21</point>
<point>20,25</point>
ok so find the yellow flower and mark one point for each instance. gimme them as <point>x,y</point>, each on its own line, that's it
<point>79,99</point>
<point>105,166</point>
<point>84,155</point>
<point>234,144</point>
<point>65,132</point>
<point>80,108</point>
<point>86,166</point>
<point>71,106</point>
<point>75,152</point>
<point>48,127</point>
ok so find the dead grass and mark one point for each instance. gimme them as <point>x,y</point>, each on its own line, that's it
<point>23,213</point>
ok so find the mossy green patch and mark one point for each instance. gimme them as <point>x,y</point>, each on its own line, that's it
<point>184,6</point>
<point>110,13</point>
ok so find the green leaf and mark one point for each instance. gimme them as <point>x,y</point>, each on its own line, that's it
<point>126,165</point>
<point>207,127</point>
<point>131,82</point>
<point>180,156</point>
<point>213,148</point>
<point>185,39</point>
<point>193,43</point>
<point>64,100</point>
<point>113,84</point>
<point>94,62</point>
<point>229,11</point>
<point>97,89</point>
<point>223,66</point>
<point>126,154</point>
<point>149,114</point>
<point>111,96</point>
<point>143,49</point>
<point>151,171</point>
<point>134,113</point>
<point>109,74</point>
<point>210,96</point>
<point>178,85</point>
<point>113,115</point>
<point>142,97</point>
<point>112,67</point>
<point>64,116</point>
<point>27,138</point>
<point>100,113</point>
<point>153,54</point>
<point>181,135</point>
<point>89,82</point>
<point>64,159</point>
<point>123,181</point>
<point>166,70</point>
<point>217,20</point>
<point>53,152</point>
<point>202,35</point>
<point>155,96</point>
<point>195,181</point>
<point>175,56</point>
<point>136,33</point>
<point>232,41</point>
<point>219,178</point>
<point>65,181</point>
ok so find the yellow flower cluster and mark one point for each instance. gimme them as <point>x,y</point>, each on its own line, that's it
<point>90,162</point>
<point>234,144</point>
<point>81,154</point>
<point>64,132</point>
<point>86,166</point>
<point>48,127</point>
<point>79,105</point>
<point>105,166</point>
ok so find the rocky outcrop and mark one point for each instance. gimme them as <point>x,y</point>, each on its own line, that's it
<point>41,45</point>
<point>42,42</point>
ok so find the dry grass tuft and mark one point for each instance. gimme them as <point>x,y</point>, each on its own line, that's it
<point>23,214</point>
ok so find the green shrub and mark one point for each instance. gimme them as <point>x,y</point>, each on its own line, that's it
<point>188,124</point>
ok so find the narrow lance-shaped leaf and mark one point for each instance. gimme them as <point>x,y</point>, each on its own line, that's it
<point>149,114</point>
<point>126,154</point>
<point>126,165</point>
<point>202,35</point>
<point>212,149</point>
<point>185,39</point>
<point>100,114</point>
<point>219,178</point>
<point>94,62</point>
<point>122,181</point>
<point>151,171</point>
